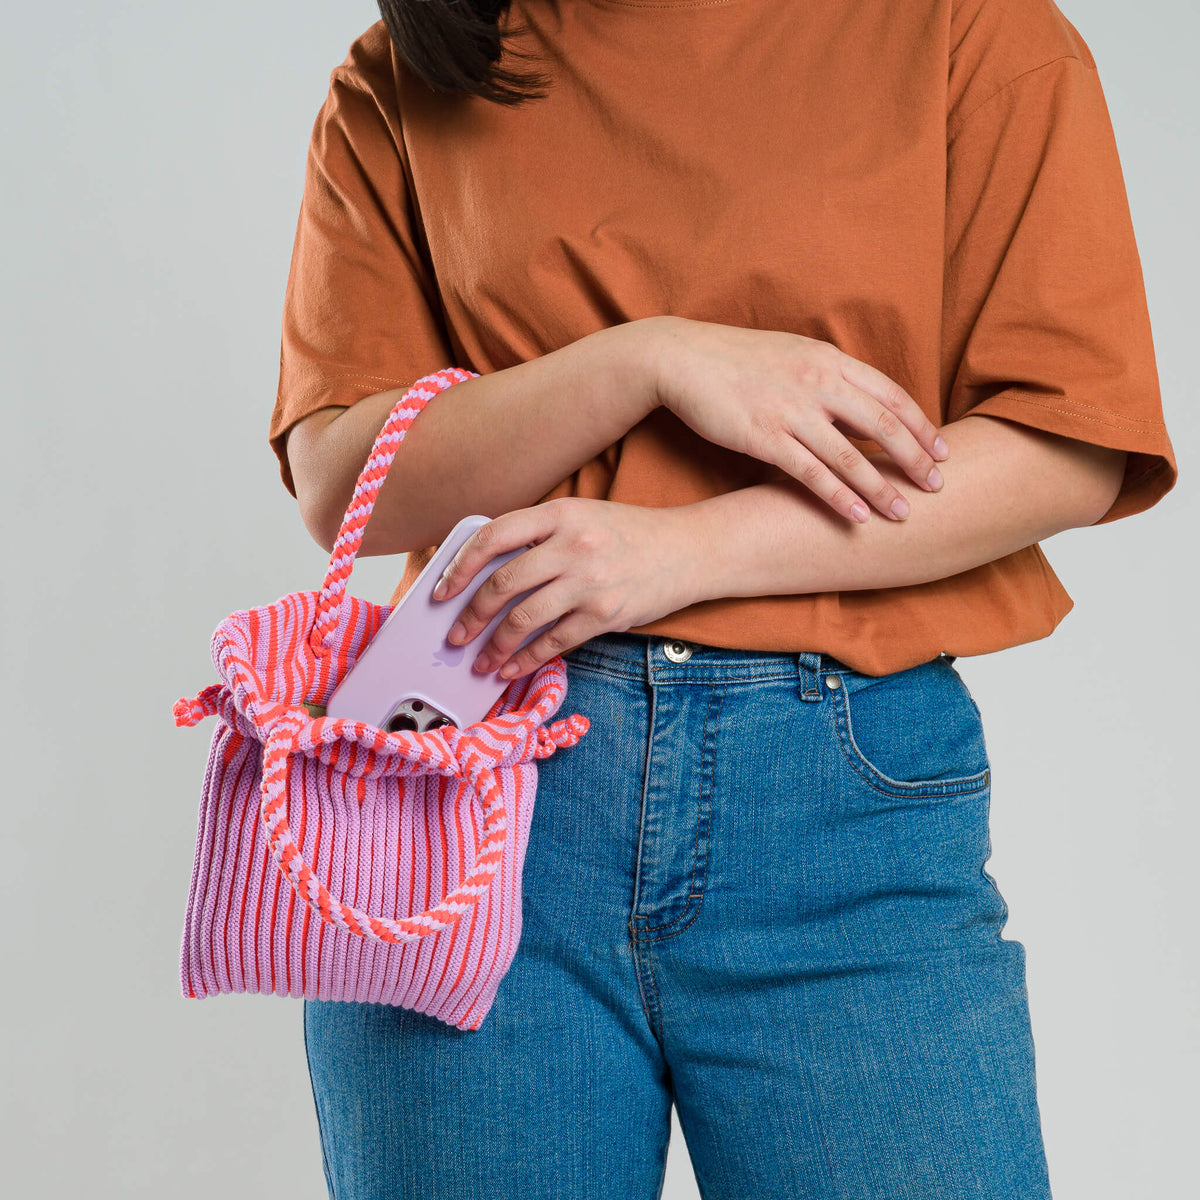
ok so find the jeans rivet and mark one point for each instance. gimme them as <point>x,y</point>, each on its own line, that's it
<point>677,651</point>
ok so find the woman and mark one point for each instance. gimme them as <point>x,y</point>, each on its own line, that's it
<point>739,280</point>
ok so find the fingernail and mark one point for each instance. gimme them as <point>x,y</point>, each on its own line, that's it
<point>458,631</point>
<point>900,507</point>
<point>859,512</point>
<point>508,670</point>
<point>440,588</point>
<point>934,478</point>
<point>940,447</point>
<point>481,663</point>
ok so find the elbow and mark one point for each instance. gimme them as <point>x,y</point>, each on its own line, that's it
<point>308,459</point>
<point>317,510</point>
<point>319,526</point>
<point>1101,476</point>
<point>326,460</point>
<point>322,512</point>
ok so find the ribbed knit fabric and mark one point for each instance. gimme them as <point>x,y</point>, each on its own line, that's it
<point>337,861</point>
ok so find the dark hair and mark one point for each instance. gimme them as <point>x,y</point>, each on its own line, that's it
<point>454,46</point>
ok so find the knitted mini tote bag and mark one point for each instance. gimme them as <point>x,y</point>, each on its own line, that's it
<point>338,861</point>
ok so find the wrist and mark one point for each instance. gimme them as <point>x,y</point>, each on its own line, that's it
<point>655,341</point>
<point>688,556</point>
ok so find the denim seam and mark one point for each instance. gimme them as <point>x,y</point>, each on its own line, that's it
<point>647,1011</point>
<point>987,876</point>
<point>704,801</point>
<point>643,966</point>
<point>695,912</point>
<point>317,1107</point>
<point>647,765</point>
<point>595,667</point>
<point>884,784</point>
<point>603,664</point>
<point>722,674</point>
<point>656,1000</point>
<point>689,914</point>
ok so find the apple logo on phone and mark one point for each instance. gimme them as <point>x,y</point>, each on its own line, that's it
<point>448,655</point>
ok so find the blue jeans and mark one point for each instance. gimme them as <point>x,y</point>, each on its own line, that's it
<point>756,889</point>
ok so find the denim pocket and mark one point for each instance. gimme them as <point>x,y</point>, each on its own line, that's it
<point>916,732</point>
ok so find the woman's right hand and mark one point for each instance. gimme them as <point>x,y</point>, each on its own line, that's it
<point>780,397</point>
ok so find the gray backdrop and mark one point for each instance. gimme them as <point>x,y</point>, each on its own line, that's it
<point>154,168</point>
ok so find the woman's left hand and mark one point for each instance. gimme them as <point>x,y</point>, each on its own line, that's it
<point>596,566</point>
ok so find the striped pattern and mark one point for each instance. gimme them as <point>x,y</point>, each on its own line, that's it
<point>337,861</point>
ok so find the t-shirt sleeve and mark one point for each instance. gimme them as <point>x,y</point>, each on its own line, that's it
<point>1045,318</point>
<point>361,313</point>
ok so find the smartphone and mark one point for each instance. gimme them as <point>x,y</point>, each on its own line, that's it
<point>409,676</point>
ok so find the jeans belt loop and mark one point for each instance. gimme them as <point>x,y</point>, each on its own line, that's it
<point>808,665</point>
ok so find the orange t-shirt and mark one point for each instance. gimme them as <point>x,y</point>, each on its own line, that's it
<point>933,186</point>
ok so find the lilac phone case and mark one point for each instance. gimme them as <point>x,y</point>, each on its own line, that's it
<point>410,659</point>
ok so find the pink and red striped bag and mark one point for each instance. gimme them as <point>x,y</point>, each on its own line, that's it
<point>335,860</point>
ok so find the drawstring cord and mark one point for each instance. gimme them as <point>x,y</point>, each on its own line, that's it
<point>564,732</point>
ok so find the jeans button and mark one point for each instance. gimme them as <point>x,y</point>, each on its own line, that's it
<point>677,651</point>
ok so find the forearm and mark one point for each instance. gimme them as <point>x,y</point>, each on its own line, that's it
<point>1006,487</point>
<point>491,444</point>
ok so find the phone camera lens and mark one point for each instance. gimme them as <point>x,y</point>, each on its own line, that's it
<point>401,722</point>
<point>438,722</point>
<point>418,705</point>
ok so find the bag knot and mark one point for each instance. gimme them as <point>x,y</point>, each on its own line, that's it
<point>192,711</point>
<point>563,732</point>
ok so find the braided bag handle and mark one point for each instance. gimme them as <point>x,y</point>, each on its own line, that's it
<point>362,502</point>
